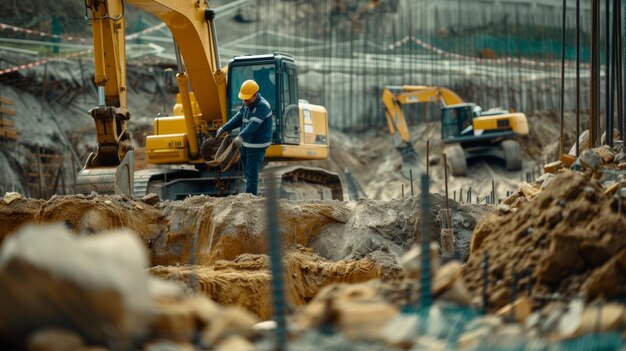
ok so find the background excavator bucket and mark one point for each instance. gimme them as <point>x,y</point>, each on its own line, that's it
<point>107,180</point>
<point>411,163</point>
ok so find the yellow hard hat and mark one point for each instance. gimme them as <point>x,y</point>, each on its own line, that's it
<point>248,88</point>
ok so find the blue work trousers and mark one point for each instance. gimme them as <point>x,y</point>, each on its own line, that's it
<point>252,160</point>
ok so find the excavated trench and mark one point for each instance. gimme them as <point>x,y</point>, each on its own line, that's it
<point>219,245</point>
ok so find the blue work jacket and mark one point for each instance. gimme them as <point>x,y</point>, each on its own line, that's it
<point>255,122</point>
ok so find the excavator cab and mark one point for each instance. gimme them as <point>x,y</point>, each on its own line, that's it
<point>300,130</point>
<point>456,121</point>
<point>278,84</point>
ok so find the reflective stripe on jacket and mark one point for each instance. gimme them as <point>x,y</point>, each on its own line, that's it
<point>255,122</point>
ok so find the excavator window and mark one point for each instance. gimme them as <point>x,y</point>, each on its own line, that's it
<point>465,121</point>
<point>290,112</point>
<point>449,125</point>
<point>456,121</point>
<point>263,74</point>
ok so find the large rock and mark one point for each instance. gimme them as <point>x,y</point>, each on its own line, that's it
<point>95,286</point>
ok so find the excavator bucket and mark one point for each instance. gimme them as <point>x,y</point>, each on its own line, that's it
<point>107,180</point>
<point>411,165</point>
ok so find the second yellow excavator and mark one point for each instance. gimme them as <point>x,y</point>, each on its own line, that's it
<point>467,130</point>
<point>207,98</point>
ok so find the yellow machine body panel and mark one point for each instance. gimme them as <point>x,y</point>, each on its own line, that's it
<point>314,137</point>
<point>314,125</point>
<point>296,152</point>
<point>168,148</point>
<point>166,145</point>
<point>516,122</point>
<point>168,125</point>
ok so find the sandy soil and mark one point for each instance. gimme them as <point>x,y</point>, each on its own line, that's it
<point>567,240</point>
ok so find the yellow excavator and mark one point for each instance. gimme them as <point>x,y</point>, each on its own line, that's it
<point>206,99</point>
<point>467,130</point>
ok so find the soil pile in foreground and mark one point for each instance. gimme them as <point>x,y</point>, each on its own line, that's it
<point>568,240</point>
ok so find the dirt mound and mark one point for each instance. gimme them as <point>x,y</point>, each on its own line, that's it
<point>542,142</point>
<point>205,229</point>
<point>567,240</point>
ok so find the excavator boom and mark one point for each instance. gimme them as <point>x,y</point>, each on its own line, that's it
<point>191,24</point>
<point>110,168</point>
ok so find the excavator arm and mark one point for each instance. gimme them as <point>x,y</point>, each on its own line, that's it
<point>191,24</point>
<point>110,168</point>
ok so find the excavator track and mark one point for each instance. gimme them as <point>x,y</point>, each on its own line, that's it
<point>303,183</point>
<point>456,160</point>
<point>512,154</point>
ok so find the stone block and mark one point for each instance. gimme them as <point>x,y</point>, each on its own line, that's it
<point>552,167</point>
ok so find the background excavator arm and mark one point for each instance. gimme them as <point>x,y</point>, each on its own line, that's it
<point>395,97</point>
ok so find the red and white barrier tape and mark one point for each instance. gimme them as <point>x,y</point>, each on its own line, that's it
<point>4,26</point>
<point>71,38</point>
<point>145,31</point>
<point>503,60</point>
<point>45,60</point>
<point>42,61</point>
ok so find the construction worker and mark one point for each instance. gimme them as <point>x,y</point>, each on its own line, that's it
<point>255,120</point>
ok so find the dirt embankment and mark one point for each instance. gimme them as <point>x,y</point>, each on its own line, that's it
<point>569,240</point>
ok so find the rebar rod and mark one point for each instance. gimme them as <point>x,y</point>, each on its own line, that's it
<point>562,121</point>
<point>577,77</point>
<point>276,261</point>
<point>595,73</point>
<point>608,110</point>
<point>426,273</point>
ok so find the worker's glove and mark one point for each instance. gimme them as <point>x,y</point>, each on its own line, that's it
<point>237,141</point>
<point>219,131</point>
